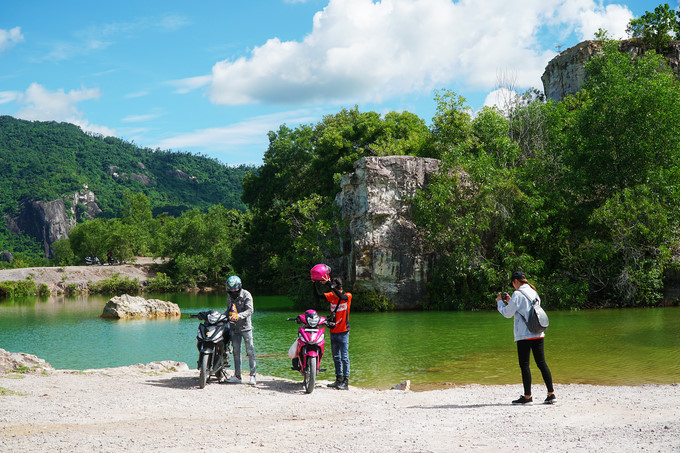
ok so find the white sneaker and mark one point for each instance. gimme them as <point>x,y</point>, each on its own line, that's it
<point>234,380</point>
<point>253,381</point>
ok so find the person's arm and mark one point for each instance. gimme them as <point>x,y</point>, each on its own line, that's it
<point>317,294</point>
<point>338,292</point>
<point>248,304</point>
<point>509,310</point>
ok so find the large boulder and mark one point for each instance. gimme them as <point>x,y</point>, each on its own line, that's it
<point>132,307</point>
<point>6,256</point>
<point>384,252</point>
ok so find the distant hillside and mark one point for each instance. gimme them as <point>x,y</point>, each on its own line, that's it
<point>45,161</point>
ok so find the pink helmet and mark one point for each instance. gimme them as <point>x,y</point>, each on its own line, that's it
<point>321,272</point>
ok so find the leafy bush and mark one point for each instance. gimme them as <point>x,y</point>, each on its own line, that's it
<point>160,284</point>
<point>116,285</point>
<point>43,290</point>
<point>10,288</point>
<point>371,301</point>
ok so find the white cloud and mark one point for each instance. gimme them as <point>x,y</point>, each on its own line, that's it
<point>614,19</point>
<point>9,38</point>
<point>501,98</point>
<point>140,118</point>
<point>138,94</point>
<point>42,105</point>
<point>359,50</point>
<point>101,36</point>
<point>8,96</point>
<point>183,86</point>
<point>251,131</point>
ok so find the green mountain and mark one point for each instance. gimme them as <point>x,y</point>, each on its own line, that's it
<point>46,161</point>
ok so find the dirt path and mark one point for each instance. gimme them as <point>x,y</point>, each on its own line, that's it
<point>158,407</point>
<point>60,277</point>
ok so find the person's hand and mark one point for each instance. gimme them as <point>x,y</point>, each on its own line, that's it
<point>499,297</point>
<point>233,317</point>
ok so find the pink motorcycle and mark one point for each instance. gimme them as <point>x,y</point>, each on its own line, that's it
<point>308,352</point>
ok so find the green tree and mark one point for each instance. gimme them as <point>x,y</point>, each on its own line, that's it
<point>199,245</point>
<point>138,220</point>
<point>87,239</point>
<point>624,150</point>
<point>656,28</point>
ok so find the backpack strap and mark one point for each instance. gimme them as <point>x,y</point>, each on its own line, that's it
<point>532,302</point>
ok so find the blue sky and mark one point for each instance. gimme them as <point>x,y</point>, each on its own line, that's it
<point>214,76</point>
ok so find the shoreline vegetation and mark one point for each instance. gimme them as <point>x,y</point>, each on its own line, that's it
<point>141,276</point>
<point>160,406</point>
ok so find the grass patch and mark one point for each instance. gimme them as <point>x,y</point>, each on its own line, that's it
<point>8,392</point>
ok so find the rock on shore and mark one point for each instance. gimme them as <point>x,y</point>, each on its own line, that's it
<point>132,307</point>
<point>21,362</point>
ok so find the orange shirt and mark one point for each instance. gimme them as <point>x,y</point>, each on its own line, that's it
<point>342,315</point>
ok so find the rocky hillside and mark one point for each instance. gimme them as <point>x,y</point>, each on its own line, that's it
<point>53,175</point>
<point>564,74</point>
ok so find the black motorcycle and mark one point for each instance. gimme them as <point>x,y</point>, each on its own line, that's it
<point>213,341</point>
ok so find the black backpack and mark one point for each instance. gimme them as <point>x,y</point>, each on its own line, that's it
<point>538,320</point>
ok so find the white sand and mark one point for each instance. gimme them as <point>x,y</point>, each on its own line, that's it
<point>140,409</point>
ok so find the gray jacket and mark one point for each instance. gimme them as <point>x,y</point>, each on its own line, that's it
<point>244,307</point>
<point>520,304</point>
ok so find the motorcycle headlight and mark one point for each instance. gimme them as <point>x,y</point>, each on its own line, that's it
<point>312,319</point>
<point>214,316</point>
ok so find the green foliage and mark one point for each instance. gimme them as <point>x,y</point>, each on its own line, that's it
<point>161,283</point>
<point>20,288</point>
<point>656,28</point>
<point>372,301</point>
<point>63,254</point>
<point>43,290</point>
<point>583,198</point>
<point>116,285</point>
<point>199,245</point>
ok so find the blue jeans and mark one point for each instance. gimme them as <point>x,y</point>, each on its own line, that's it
<point>250,350</point>
<point>340,348</point>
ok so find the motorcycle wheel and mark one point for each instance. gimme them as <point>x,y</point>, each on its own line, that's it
<point>310,375</point>
<point>203,371</point>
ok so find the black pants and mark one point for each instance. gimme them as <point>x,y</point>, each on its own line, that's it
<point>524,350</point>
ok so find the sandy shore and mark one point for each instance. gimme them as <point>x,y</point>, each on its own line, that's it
<point>158,407</point>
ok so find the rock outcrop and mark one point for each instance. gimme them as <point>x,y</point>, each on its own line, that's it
<point>19,362</point>
<point>49,221</point>
<point>565,74</point>
<point>383,252</point>
<point>132,307</point>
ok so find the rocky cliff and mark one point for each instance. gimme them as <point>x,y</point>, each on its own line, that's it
<point>564,74</point>
<point>383,249</point>
<point>49,221</point>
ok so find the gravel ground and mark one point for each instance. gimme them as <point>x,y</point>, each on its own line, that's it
<point>159,406</point>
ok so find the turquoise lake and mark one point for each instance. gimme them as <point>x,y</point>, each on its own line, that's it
<point>432,349</point>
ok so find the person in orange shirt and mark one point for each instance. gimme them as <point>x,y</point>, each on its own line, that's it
<point>339,323</point>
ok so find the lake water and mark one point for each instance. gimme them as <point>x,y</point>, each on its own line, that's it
<point>432,349</point>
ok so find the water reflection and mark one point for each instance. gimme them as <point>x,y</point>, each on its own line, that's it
<point>432,349</point>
